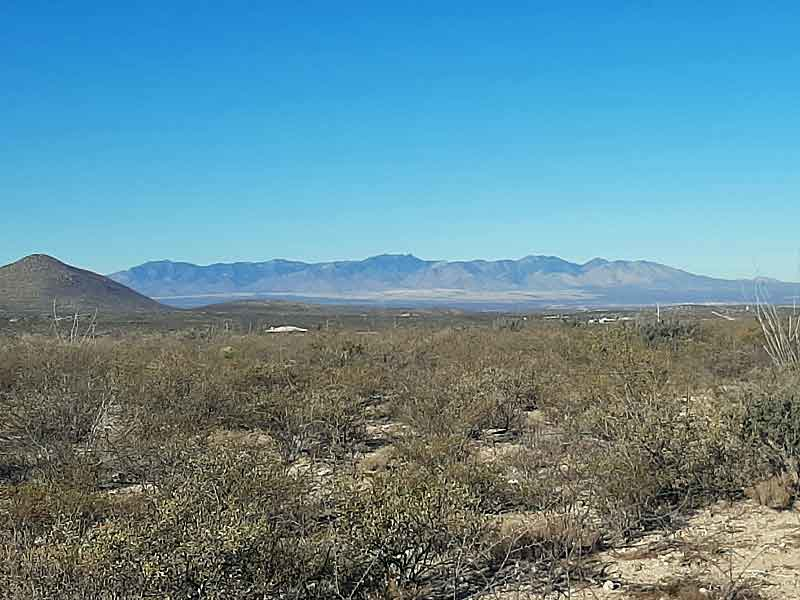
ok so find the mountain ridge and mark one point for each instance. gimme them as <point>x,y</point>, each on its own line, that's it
<point>539,278</point>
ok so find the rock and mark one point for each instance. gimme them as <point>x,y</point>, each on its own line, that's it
<point>611,586</point>
<point>227,352</point>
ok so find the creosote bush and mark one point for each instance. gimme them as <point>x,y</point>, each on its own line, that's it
<point>772,422</point>
<point>424,462</point>
<point>405,532</point>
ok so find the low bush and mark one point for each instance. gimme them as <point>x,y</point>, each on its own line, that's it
<point>405,534</point>
<point>417,463</point>
<point>772,422</point>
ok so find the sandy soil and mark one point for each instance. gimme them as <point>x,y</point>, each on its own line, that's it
<point>725,548</point>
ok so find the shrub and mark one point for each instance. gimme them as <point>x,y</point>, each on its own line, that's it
<point>670,332</point>
<point>227,524</point>
<point>165,466</point>
<point>772,423</point>
<point>321,423</point>
<point>452,402</point>
<point>644,447</point>
<point>404,533</point>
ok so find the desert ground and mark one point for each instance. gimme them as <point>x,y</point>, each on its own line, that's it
<point>398,455</point>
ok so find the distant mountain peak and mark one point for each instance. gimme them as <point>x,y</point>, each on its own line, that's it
<point>595,262</point>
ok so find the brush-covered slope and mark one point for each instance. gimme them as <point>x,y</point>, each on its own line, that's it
<point>33,283</point>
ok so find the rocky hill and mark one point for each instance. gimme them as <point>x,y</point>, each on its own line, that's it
<point>33,283</point>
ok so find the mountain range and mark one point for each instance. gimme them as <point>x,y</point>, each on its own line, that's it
<point>406,279</point>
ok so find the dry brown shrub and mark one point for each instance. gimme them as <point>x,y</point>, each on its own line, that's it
<point>777,492</point>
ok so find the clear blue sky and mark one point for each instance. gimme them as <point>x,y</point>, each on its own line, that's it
<point>210,131</point>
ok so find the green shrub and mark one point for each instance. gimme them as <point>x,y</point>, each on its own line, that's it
<point>671,332</point>
<point>227,524</point>
<point>404,533</point>
<point>454,402</point>
<point>772,423</point>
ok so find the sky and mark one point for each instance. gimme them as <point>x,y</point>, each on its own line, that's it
<point>214,132</point>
